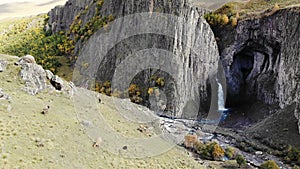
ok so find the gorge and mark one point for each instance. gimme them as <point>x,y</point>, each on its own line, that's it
<point>260,56</point>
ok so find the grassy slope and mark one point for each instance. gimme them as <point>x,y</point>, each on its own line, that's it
<point>66,145</point>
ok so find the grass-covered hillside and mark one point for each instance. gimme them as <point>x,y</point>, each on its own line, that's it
<point>230,13</point>
<point>29,139</point>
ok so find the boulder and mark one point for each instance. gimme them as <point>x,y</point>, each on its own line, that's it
<point>4,96</point>
<point>3,65</point>
<point>57,82</point>
<point>33,75</point>
<point>26,59</point>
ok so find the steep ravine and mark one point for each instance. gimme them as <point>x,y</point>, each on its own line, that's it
<point>260,58</point>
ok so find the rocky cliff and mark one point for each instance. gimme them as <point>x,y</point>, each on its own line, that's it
<point>260,55</point>
<point>190,41</point>
<point>261,58</point>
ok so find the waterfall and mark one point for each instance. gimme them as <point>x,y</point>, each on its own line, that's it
<point>221,103</point>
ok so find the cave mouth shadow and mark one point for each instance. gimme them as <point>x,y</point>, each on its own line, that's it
<point>243,63</point>
<point>252,74</point>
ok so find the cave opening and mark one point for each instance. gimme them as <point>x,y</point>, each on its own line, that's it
<point>241,68</point>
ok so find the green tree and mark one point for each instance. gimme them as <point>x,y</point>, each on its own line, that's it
<point>270,164</point>
<point>241,161</point>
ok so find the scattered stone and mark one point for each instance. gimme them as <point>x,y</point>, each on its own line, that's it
<point>87,123</point>
<point>98,142</point>
<point>124,147</point>
<point>45,110</point>
<point>4,96</point>
<point>3,65</point>
<point>57,82</point>
<point>258,152</point>
<point>142,128</point>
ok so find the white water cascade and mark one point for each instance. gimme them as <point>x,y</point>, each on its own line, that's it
<point>221,103</point>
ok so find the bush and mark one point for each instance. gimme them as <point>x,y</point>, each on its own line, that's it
<point>292,154</point>
<point>218,152</point>
<point>270,164</point>
<point>160,82</point>
<point>296,167</point>
<point>134,93</point>
<point>210,151</point>
<point>104,88</point>
<point>234,22</point>
<point>241,161</point>
<point>230,153</point>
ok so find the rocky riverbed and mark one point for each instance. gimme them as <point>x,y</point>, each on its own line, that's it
<point>181,127</point>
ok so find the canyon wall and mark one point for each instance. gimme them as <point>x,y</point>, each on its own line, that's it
<point>261,58</point>
<point>190,41</point>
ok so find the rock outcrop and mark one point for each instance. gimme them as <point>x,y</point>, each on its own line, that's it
<point>192,43</point>
<point>33,74</point>
<point>36,78</point>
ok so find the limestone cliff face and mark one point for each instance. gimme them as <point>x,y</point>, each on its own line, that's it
<point>193,47</point>
<point>261,57</point>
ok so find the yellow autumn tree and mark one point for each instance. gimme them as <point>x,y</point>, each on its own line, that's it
<point>234,22</point>
<point>224,19</point>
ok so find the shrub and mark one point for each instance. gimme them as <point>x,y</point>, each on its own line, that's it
<point>150,91</point>
<point>160,82</point>
<point>270,164</point>
<point>230,153</point>
<point>218,152</point>
<point>104,88</point>
<point>134,93</point>
<point>234,22</point>
<point>241,161</point>
<point>210,151</point>
<point>275,8</point>
<point>292,154</point>
<point>224,19</point>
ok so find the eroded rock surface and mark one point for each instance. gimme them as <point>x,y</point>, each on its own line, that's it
<point>192,43</point>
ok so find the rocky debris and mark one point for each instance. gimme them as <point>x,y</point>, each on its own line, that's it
<point>98,142</point>
<point>45,110</point>
<point>3,95</point>
<point>57,82</point>
<point>186,128</point>
<point>146,130</point>
<point>3,65</point>
<point>142,128</point>
<point>87,123</point>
